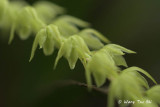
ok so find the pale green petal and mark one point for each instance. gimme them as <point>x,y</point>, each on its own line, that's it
<point>39,39</point>
<point>111,94</point>
<point>29,17</point>
<point>42,37</point>
<point>117,52</point>
<point>56,36</point>
<point>65,28</point>
<point>24,32</point>
<point>77,40</point>
<point>91,41</point>
<point>140,70</point>
<point>99,78</point>
<point>121,48</point>
<point>48,47</point>
<point>64,50</point>
<point>102,64</point>
<point>73,48</point>
<point>34,47</point>
<point>73,58</point>
<point>113,50</point>
<point>95,33</point>
<point>119,60</point>
<point>142,80</point>
<point>11,34</point>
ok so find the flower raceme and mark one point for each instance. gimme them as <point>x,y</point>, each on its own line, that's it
<point>104,63</point>
<point>74,40</point>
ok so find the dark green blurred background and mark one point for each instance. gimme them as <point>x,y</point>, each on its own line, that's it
<point>134,24</point>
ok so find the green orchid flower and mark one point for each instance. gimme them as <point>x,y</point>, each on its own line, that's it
<point>103,63</point>
<point>102,66</point>
<point>27,22</point>
<point>117,52</point>
<point>73,48</point>
<point>121,88</point>
<point>47,38</point>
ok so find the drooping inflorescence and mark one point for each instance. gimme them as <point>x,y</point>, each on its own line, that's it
<point>75,40</point>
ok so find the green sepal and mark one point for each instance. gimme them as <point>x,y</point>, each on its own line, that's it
<point>95,34</point>
<point>103,66</point>
<point>141,71</point>
<point>39,40</point>
<point>73,48</point>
